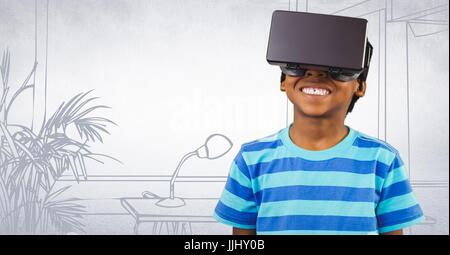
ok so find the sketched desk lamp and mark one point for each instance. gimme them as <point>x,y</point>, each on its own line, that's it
<point>215,146</point>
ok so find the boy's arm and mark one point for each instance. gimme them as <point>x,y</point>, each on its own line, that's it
<point>240,231</point>
<point>396,232</point>
<point>397,207</point>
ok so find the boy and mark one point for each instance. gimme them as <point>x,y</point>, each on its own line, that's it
<point>318,176</point>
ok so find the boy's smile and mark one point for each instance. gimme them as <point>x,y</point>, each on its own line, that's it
<point>316,95</point>
<point>315,91</point>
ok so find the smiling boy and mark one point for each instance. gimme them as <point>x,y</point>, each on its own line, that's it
<point>318,175</point>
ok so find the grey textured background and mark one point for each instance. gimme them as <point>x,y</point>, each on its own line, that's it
<point>177,71</point>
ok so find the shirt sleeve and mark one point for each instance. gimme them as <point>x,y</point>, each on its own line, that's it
<point>398,207</point>
<point>237,205</point>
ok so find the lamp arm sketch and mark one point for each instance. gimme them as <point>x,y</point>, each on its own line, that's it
<point>177,170</point>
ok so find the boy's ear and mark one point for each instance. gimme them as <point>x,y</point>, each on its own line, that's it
<point>361,91</point>
<point>282,87</point>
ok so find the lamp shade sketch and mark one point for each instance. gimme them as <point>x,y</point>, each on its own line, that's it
<point>215,146</point>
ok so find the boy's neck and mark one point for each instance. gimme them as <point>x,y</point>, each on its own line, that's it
<point>317,133</point>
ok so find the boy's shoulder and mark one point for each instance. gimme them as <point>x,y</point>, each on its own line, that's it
<point>270,141</point>
<point>367,141</point>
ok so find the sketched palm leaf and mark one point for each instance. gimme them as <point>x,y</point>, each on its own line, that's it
<point>61,140</point>
<point>63,214</point>
<point>75,112</point>
<point>5,202</point>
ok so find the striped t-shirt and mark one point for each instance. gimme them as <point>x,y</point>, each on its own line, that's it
<point>358,186</point>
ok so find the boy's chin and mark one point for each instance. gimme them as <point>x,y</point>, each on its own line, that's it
<point>313,113</point>
<point>316,115</point>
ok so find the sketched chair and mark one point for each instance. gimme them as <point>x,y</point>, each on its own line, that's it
<point>172,228</point>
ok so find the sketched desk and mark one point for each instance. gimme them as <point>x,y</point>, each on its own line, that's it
<point>177,220</point>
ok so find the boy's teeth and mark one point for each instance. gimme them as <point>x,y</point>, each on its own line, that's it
<point>315,91</point>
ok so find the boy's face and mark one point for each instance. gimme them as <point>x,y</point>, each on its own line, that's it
<point>316,95</point>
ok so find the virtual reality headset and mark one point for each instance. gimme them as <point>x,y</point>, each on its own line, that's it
<point>338,45</point>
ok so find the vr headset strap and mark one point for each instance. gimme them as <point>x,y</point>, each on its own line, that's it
<point>367,58</point>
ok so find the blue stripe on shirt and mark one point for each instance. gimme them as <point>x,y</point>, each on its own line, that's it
<point>395,189</point>
<point>314,222</point>
<point>242,166</point>
<point>315,193</point>
<point>228,213</point>
<point>365,142</point>
<point>399,216</point>
<point>335,164</point>
<point>258,146</point>
<point>237,189</point>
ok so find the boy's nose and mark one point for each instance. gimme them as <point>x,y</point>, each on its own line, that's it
<point>317,73</point>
